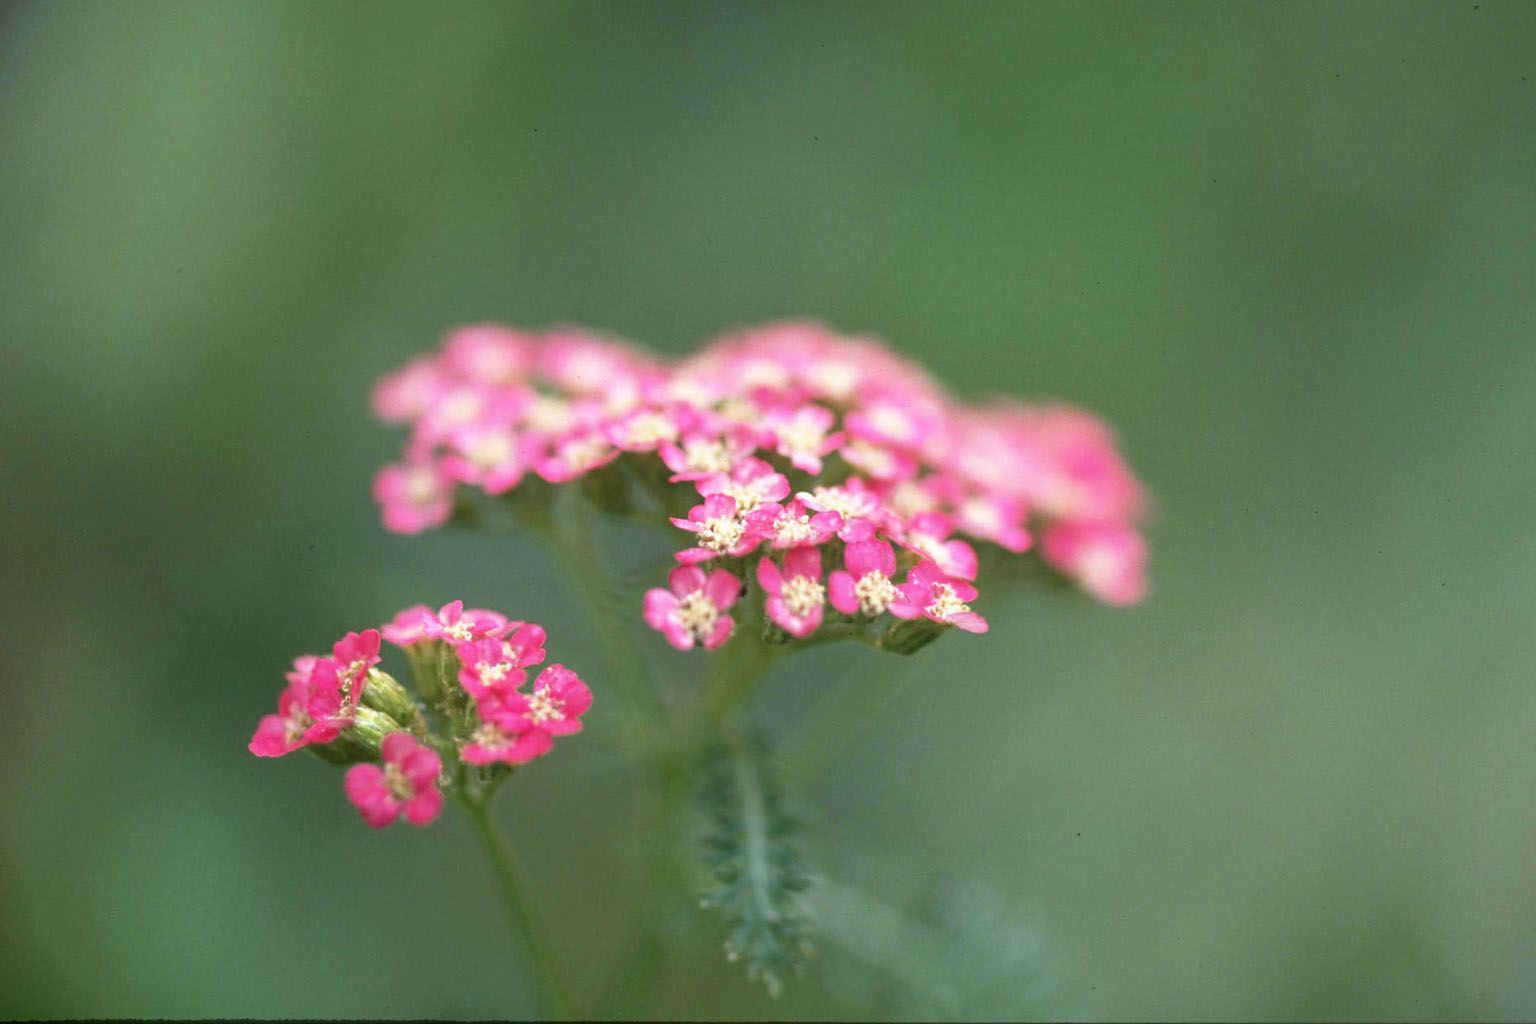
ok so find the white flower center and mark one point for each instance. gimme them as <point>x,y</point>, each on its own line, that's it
<point>648,429</point>
<point>294,725</point>
<point>698,615</point>
<point>792,529</point>
<point>420,486</point>
<point>542,707</point>
<point>945,603</point>
<point>495,672</point>
<point>707,457</point>
<point>875,592</point>
<point>463,631</point>
<point>399,786</point>
<point>490,450</point>
<point>549,415</point>
<point>721,533</point>
<point>585,453</point>
<point>802,595</point>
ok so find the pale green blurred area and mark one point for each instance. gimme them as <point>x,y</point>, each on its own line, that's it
<point>1288,250</point>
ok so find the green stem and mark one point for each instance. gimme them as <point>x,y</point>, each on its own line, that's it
<point>673,774</point>
<point>573,535</point>
<point>549,992</point>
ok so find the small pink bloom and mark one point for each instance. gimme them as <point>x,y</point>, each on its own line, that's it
<point>413,496</point>
<point>354,654</point>
<point>489,456</point>
<point>751,482</point>
<point>1107,559</point>
<point>455,625</point>
<point>997,519</point>
<point>702,455</point>
<point>853,499</point>
<point>878,461</point>
<point>931,594</point>
<point>492,668</point>
<point>801,435</point>
<point>866,587</point>
<point>718,529</point>
<point>577,455</point>
<point>407,627</point>
<point>906,420</point>
<point>501,738</point>
<point>407,783</point>
<point>309,710</point>
<point>488,354</point>
<point>553,706</point>
<point>927,534</point>
<point>409,392</point>
<point>795,597</point>
<point>693,610</point>
<point>793,525</point>
<point>642,430</point>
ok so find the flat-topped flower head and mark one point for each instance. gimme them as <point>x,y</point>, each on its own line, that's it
<point>718,530</point>
<point>796,598</point>
<point>692,612</point>
<point>309,710</point>
<point>413,496</point>
<point>405,784</point>
<point>1107,559</point>
<point>866,585</point>
<point>929,593</point>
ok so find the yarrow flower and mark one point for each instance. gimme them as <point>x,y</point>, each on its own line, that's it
<point>407,783</point>
<point>796,442</point>
<point>469,667</point>
<point>693,611</point>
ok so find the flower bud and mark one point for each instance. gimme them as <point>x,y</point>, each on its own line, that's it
<point>911,635</point>
<point>383,693</point>
<point>360,741</point>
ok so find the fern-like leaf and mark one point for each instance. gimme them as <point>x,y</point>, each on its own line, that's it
<point>753,856</point>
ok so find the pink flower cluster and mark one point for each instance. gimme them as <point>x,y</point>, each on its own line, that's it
<point>807,451</point>
<point>475,665</point>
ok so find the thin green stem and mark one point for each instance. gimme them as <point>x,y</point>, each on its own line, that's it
<point>527,930</point>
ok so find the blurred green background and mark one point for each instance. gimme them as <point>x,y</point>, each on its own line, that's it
<point>1288,250</point>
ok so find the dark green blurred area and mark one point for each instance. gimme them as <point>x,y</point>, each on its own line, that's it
<point>1288,250</point>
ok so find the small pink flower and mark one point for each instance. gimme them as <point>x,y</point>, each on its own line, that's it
<point>997,519</point>
<point>693,610</point>
<point>1107,559</point>
<point>905,420</point>
<point>409,392</point>
<point>930,594</point>
<point>309,710</point>
<point>413,496</point>
<point>793,525</point>
<point>577,455</point>
<point>751,482</point>
<point>707,448</point>
<point>795,597</point>
<point>354,654</point>
<point>502,738</point>
<point>488,354</point>
<point>801,435</point>
<point>867,586</point>
<point>878,461</point>
<point>492,668</point>
<point>455,625</point>
<point>407,783</point>
<point>488,456</point>
<point>718,529</point>
<point>853,499</point>
<point>642,430</point>
<point>927,534</point>
<point>407,627</point>
<point>553,706</point>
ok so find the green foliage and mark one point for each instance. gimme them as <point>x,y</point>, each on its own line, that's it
<point>752,853</point>
<point>960,952</point>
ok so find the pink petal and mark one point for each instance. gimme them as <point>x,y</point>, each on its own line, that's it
<point>424,807</point>
<point>397,746</point>
<point>804,561</point>
<point>723,588</point>
<point>768,575</point>
<point>841,593</point>
<point>685,579</point>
